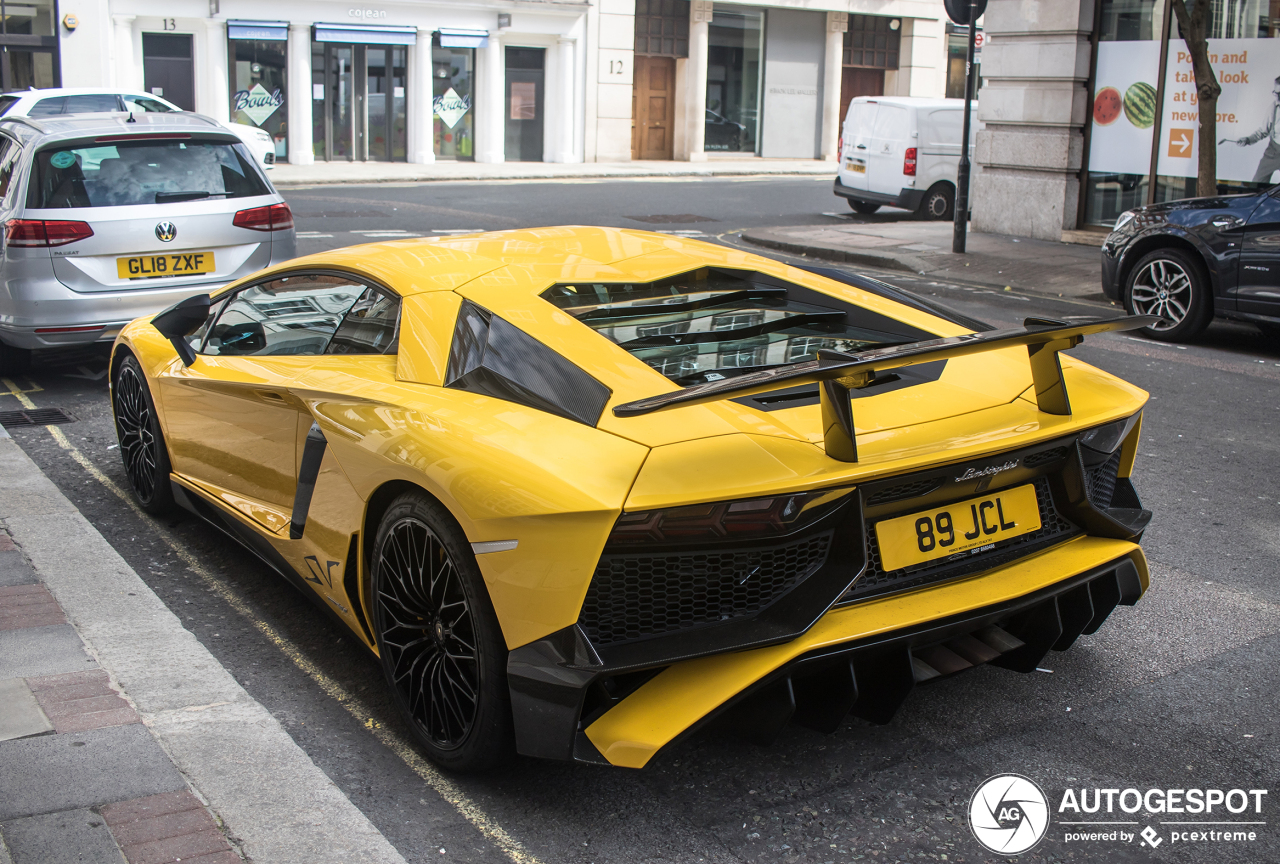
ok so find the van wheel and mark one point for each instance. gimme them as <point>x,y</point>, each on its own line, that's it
<point>14,361</point>
<point>866,208</point>
<point>939,203</point>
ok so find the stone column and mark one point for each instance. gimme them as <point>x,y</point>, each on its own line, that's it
<point>695,78</point>
<point>1035,64</point>
<point>420,101</point>
<point>213,96</point>
<point>566,57</point>
<point>491,143</point>
<point>123,57</point>
<point>298,98</point>
<point>833,66</point>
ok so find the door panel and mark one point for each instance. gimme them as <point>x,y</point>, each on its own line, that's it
<point>168,69</point>
<point>887,148</point>
<point>654,98</point>
<point>1259,271</point>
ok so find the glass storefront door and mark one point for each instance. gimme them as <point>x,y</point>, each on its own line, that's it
<point>258,88</point>
<point>734,47</point>
<point>359,100</point>
<point>452,74</point>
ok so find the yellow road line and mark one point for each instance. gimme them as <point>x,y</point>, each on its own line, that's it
<point>444,787</point>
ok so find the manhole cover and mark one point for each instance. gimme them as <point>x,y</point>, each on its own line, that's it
<point>35,417</point>
<point>672,219</point>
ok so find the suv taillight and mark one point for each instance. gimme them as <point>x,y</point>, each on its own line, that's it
<point>44,233</point>
<point>277,217</point>
<point>909,162</point>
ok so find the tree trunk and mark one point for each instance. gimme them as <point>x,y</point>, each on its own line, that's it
<point>1194,23</point>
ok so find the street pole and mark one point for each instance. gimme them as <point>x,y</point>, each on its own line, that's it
<point>962,174</point>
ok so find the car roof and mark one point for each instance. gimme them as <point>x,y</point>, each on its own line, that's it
<point>915,101</point>
<point>48,92</point>
<point>63,126</point>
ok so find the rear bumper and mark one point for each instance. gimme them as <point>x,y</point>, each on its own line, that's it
<point>24,314</point>
<point>866,658</point>
<point>907,199</point>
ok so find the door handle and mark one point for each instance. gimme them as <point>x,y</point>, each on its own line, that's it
<point>271,396</point>
<point>1226,221</point>
<point>861,146</point>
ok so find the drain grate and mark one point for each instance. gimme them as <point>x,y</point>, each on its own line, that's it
<point>35,417</point>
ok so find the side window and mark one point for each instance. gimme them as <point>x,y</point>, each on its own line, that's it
<point>369,327</point>
<point>143,105</point>
<point>9,154</point>
<point>87,103</point>
<point>48,107</point>
<point>295,314</point>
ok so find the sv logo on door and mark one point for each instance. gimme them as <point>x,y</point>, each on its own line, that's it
<point>322,576</point>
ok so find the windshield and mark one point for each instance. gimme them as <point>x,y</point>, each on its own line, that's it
<point>141,172</point>
<point>712,323</point>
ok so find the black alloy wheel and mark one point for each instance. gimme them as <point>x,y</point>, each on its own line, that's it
<point>142,447</point>
<point>441,648</point>
<point>939,203</point>
<point>866,208</point>
<point>1172,285</point>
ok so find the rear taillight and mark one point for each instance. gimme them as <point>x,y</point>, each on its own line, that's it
<point>909,162</point>
<point>744,520</point>
<point>277,217</point>
<point>840,146</point>
<point>45,233</point>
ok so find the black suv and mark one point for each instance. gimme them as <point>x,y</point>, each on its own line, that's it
<point>1188,261</point>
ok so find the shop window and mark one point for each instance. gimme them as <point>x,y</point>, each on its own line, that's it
<point>662,28</point>
<point>733,81</point>
<point>957,58</point>
<point>259,90</point>
<point>453,79</point>
<point>30,42</point>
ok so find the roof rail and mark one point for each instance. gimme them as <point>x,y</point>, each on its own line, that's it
<point>25,121</point>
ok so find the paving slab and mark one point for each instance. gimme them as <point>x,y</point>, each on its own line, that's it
<point>14,569</point>
<point>32,651</point>
<point>53,773</point>
<point>20,714</point>
<point>72,837</point>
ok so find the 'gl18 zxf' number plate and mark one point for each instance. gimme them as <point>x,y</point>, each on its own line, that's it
<point>961,527</point>
<point>172,264</point>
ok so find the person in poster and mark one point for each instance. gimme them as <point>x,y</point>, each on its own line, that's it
<point>1270,161</point>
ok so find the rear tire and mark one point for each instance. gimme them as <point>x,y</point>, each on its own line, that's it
<point>14,361</point>
<point>1173,285</point>
<point>939,203</point>
<point>142,447</point>
<point>441,648</point>
<point>866,208</point>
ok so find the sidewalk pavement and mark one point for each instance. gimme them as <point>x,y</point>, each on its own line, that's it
<point>121,737</point>
<point>924,248</point>
<point>321,173</point>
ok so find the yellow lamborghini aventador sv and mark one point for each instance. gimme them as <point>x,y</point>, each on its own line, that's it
<point>583,490</point>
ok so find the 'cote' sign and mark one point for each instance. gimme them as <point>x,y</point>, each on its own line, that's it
<point>366,14</point>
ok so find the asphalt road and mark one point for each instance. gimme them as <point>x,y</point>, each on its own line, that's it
<point>1177,692</point>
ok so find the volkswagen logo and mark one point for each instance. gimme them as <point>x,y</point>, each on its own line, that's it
<point>166,231</point>
<point>1008,814</point>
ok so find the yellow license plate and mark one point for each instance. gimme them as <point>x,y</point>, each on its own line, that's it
<point>856,167</point>
<point>965,526</point>
<point>172,264</point>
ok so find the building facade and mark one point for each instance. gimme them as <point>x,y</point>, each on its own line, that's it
<point>554,80</point>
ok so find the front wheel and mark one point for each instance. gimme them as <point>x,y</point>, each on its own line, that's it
<point>142,447</point>
<point>866,208</point>
<point>939,203</point>
<point>1172,285</point>
<point>441,648</point>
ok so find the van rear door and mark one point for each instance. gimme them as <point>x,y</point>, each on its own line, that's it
<point>885,152</point>
<point>858,125</point>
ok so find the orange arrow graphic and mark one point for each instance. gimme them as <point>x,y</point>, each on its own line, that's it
<point>1180,142</point>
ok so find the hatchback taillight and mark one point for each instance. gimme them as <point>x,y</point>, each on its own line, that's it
<point>45,233</point>
<point>277,217</point>
<point>909,162</point>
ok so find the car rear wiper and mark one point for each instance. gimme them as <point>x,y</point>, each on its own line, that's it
<point>168,197</point>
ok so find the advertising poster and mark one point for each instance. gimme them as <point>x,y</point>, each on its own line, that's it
<point>1124,107</point>
<point>1247,70</point>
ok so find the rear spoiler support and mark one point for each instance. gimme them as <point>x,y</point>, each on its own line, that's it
<point>837,373</point>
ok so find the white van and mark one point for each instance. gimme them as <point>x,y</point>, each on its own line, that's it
<point>902,151</point>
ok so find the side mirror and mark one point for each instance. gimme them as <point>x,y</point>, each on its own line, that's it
<point>181,320</point>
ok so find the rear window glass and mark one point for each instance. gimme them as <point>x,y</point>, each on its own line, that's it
<point>714,323</point>
<point>80,103</point>
<point>143,172</point>
<point>7,102</point>
<point>891,123</point>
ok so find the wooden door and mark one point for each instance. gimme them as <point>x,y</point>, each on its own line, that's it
<point>653,107</point>
<point>856,81</point>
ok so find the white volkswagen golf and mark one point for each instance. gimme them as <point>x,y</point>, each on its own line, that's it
<point>111,217</point>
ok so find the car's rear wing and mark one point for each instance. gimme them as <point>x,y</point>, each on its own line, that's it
<point>836,373</point>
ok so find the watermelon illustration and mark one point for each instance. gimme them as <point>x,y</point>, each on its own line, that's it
<point>1140,105</point>
<point>1106,106</point>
